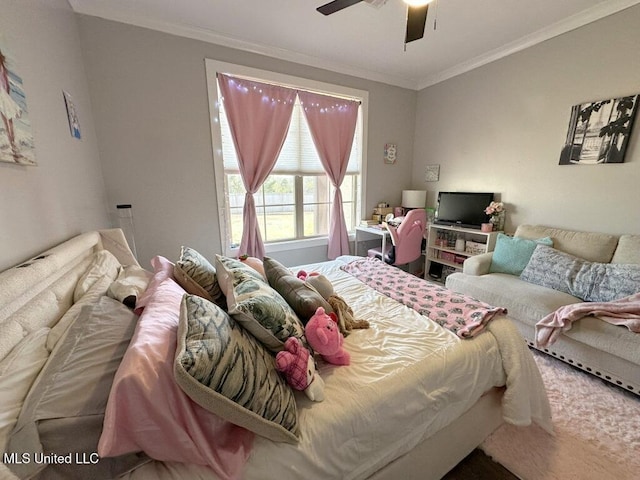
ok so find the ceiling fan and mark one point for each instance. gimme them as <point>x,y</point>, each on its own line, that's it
<point>416,15</point>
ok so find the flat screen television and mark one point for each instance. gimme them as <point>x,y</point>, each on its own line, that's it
<point>463,209</point>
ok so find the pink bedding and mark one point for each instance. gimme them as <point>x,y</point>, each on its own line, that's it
<point>463,315</point>
<point>147,411</point>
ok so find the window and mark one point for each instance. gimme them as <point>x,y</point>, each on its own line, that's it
<point>295,201</point>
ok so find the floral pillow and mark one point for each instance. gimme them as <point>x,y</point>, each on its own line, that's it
<point>224,369</point>
<point>196,275</point>
<point>256,306</point>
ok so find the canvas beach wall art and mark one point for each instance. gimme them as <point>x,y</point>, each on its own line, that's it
<point>72,115</point>
<point>16,137</point>
<point>599,131</point>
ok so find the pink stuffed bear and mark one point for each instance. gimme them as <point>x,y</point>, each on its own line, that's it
<point>324,337</point>
<point>299,369</point>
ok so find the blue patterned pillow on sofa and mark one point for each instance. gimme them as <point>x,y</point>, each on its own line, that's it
<point>589,281</point>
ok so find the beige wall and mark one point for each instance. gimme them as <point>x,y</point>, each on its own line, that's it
<point>498,128</point>
<point>501,127</point>
<point>150,103</point>
<point>64,195</point>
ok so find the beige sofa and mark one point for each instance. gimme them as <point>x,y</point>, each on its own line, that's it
<point>608,351</point>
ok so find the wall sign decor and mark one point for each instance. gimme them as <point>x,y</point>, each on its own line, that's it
<point>72,115</point>
<point>390,151</point>
<point>432,173</point>
<point>16,138</point>
<point>599,131</point>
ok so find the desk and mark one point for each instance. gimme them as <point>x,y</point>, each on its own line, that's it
<point>377,231</point>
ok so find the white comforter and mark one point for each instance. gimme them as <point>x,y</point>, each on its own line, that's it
<point>408,379</point>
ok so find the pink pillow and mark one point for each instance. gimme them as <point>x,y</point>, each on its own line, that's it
<point>163,269</point>
<point>148,412</point>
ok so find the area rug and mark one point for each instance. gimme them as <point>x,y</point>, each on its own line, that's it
<point>597,431</point>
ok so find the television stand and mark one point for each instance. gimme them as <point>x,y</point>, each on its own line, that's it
<point>442,258</point>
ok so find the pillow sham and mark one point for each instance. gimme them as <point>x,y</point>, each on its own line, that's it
<point>511,254</point>
<point>223,368</point>
<point>91,297</point>
<point>589,281</point>
<point>64,410</point>
<point>197,276</point>
<point>258,307</point>
<point>302,297</point>
<point>147,411</point>
<point>225,266</point>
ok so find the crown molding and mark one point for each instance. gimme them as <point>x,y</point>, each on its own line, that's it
<point>597,12</point>
<point>576,21</point>
<point>197,33</point>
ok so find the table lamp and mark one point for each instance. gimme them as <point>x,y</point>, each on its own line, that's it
<point>413,199</point>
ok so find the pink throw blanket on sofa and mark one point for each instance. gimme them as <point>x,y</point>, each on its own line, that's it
<point>463,315</point>
<point>625,311</point>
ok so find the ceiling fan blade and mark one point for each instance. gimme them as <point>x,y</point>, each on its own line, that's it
<point>336,5</point>
<point>416,20</point>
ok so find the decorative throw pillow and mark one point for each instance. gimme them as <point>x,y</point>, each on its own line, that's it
<point>512,254</point>
<point>258,307</point>
<point>228,372</point>
<point>589,281</point>
<point>225,266</point>
<point>302,297</point>
<point>197,276</point>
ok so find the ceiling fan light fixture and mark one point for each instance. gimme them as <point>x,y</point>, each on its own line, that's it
<point>417,3</point>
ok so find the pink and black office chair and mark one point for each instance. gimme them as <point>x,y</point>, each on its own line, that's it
<point>406,240</point>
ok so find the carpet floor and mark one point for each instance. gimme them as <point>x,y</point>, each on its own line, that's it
<point>596,426</point>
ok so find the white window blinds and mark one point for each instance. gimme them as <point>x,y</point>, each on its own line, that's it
<point>298,154</point>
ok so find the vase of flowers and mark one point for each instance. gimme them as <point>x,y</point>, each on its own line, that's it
<point>496,212</point>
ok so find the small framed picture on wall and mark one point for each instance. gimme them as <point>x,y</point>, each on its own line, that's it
<point>390,153</point>
<point>72,115</point>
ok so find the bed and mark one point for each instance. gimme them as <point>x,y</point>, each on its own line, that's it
<point>415,399</point>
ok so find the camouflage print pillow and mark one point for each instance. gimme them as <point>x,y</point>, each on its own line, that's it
<point>258,307</point>
<point>228,372</point>
<point>197,276</point>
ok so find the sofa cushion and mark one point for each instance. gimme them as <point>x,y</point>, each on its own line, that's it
<point>512,254</point>
<point>628,250</point>
<point>595,247</point>
<point>590,281</point>
<point>524,301</point>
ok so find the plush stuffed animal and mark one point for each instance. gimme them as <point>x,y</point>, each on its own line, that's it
<point>345,318</point>
<point>319,282</point>
<point>299,368</point>
<point>324,337</point>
